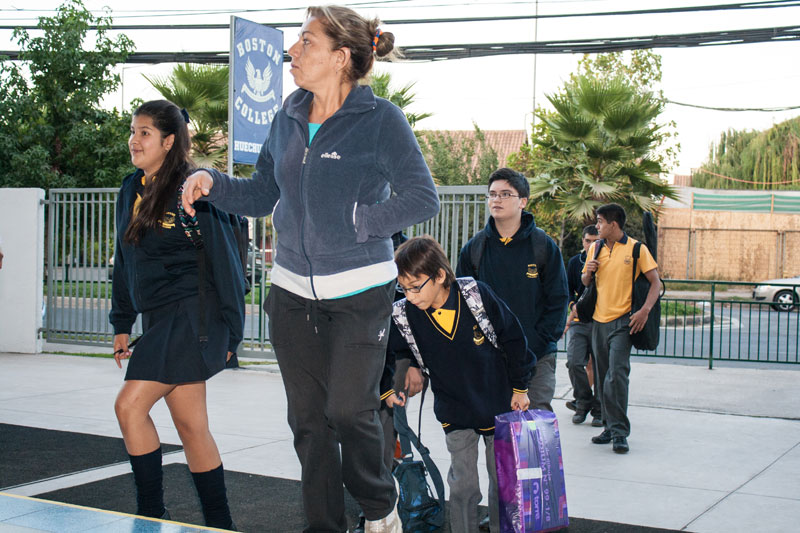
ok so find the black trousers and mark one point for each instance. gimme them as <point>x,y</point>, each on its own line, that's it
<point>331,354</point>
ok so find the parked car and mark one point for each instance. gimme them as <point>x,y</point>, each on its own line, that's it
<point>784,298</point>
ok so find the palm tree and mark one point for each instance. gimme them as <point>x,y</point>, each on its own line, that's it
<point>380,82</point>
<point>203,91</point>
<point>599,146</point>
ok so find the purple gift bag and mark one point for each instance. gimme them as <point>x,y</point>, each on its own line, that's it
<point>530,472</point>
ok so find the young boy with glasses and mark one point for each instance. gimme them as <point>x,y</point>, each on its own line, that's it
<point>476,370</point>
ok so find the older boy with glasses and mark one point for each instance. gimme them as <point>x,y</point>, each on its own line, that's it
<point>524,267</point>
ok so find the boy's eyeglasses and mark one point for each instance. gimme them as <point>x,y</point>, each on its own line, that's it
<point>502,196</point>
<point>412,290</point>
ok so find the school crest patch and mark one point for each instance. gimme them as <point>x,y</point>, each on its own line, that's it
<point>477,335</point>
<point>532,271</point>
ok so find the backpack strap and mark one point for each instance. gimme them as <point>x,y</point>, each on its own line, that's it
<point>637,248</point>
<point>477,248</point>
<point>192,230</point>
<point>241,231</point>
<point>472,295</point>
<point>538,240</point>
<point>540,249</point>
<point>401,321</point>
<point>407,436</point>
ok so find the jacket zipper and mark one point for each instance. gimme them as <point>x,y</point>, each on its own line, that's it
<point>303,226</point>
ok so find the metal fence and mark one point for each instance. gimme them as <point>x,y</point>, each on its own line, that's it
<point>80,248</point>
<point>723,327</point>
<point>80,237</point>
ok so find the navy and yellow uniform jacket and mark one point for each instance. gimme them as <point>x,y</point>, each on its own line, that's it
<point>162,267</point>
<point>537,294</point>
<point>471,380</point>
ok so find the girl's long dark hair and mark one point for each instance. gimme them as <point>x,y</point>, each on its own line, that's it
<point>161,194</point>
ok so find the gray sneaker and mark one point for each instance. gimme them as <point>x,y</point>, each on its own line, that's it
<point>388,524</point>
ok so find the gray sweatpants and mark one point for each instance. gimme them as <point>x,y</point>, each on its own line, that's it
<point>331,355</point>
<point>611,344</point>
<point>465,490</point>
<point>579,346</point>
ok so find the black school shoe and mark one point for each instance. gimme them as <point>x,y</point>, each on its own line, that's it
<point>602,438</point>
<point>571,405</point>
<point>579,417</point>
<point>620,445</point>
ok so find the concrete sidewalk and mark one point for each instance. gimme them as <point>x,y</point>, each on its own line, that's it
<point>711,450</point>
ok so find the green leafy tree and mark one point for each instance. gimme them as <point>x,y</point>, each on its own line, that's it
<point>759,160</point>
<point>599,145</point>
<point>52,131</point>
<point>203,91</point>
<point>453,159</point>
<point>562,202</point>
<point>642,70</point>
<point>458,159</point>
<point>381,84</point>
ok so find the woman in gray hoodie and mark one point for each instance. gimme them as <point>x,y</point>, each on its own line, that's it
<point>341,171</point>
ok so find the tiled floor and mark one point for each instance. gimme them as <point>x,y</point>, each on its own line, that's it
<point>24,514</point>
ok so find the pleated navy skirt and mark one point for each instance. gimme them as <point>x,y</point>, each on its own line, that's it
<point>170,351</point>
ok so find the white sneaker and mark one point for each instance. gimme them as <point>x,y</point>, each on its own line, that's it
<point>388,524</point>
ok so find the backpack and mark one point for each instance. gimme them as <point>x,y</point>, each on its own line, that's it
<point>192,230</point>
<point>538,239</point>
<point>419,510</point>
<point>472,295</point>
<point>648,337</point>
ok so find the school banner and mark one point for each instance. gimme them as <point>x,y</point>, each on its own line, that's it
<point>256,91</point>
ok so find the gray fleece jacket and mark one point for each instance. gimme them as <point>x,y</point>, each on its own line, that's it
<point>337,201</point>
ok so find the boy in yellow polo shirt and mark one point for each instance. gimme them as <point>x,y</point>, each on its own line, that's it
<point>613,322</point>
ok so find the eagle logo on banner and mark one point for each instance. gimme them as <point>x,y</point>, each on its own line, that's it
<point>258,82</point>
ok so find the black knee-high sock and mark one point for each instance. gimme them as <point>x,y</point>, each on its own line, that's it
<point>213,497</point>
<point>149,483</point>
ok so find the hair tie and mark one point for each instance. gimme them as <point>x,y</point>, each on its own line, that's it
<point>185,115</point>
<point>375,40</point>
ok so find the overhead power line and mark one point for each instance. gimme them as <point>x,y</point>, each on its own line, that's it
<point>701,171</point>
<point>768,4</point>
<point>764,109</point>
<point>440,52</point>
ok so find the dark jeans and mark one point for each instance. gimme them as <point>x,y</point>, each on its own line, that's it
<point>331,355</point>
<point>579,347</point>
<point>611,344</point>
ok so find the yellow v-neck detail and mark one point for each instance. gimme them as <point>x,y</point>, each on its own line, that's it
<point>506,240</point>
<point>446,320</point>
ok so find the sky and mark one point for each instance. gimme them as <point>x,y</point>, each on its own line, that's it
<point>499,92</point>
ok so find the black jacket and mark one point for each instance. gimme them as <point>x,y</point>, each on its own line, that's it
<point>162,267</point>
<point>536,294</point>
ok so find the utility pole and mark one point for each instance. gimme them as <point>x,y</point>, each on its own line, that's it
<point>535,56</point>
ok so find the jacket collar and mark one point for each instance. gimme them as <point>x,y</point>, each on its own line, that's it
<point>359,100</point>
<point>622,240</point>
<point>527,225</point>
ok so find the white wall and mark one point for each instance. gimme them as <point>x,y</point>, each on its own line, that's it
<point>21,278</point>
